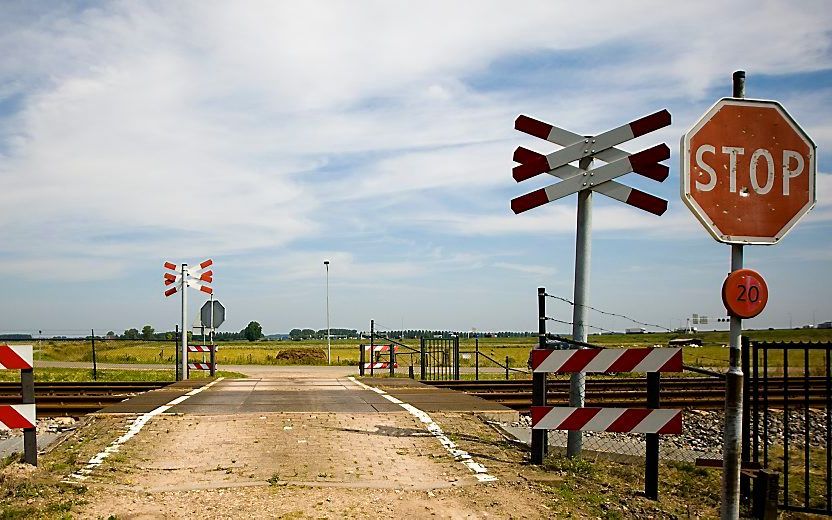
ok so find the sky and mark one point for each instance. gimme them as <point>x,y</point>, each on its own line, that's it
<point>271,136</point>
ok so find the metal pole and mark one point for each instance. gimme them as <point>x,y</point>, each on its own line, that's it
<point>211,335</point>
<point>476,359</point>
<point>328,335</point>
<point>733,385</point>
<point>184,327</point>
<point>372,345</point>
<point>94,364</point>
<point>580,314</point>
<point>30,439</point>
<point>176,353</point>
<point>539,437</point>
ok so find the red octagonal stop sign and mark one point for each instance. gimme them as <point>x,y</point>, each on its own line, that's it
<point>748,171</point>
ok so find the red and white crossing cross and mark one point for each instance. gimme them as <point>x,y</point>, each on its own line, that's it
<point>198,278</point>
<point>16,357</point>
<point>607,360</point>
<point>601,146</point>
<point>619,420</point>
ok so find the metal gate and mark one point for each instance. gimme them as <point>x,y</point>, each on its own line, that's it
<point>790,434</point>
<point>439,358</point>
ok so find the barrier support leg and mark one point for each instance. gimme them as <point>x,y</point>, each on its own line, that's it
<point>30,439</point>
<point>651,461</point>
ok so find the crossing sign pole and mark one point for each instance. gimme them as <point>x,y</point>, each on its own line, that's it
<point>198,278</point>
<point>584,180</point>
<point>724,156</point>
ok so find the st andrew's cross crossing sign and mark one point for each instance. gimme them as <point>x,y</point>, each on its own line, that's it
<point>748,171</point>
<point>602,146</point>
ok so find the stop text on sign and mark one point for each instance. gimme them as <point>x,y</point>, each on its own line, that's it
<point>792,165</point>
<point>748,171</point>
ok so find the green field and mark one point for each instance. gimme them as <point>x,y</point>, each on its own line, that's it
<point>713,353</point>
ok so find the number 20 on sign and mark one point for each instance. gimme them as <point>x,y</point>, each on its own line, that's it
<point>744,293</point>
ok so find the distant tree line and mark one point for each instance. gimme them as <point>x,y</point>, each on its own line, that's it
<point>299,334</point>
<point>252,332</point>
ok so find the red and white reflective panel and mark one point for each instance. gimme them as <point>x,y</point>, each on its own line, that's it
<point>207,276</point>
<point>607,360</point>
<point>15,357</point>
<point>620,420</point>
<point>199,366</point>
<point>611,189</point>
<point>171,266</point>
<point>599,175</point>
<point>197,285</point>
<point>199,348</point>
<point>13,416</point>
<point>380,348</point>
<point>170,291</point>
<point>206,263</point>
<point>381,364</point>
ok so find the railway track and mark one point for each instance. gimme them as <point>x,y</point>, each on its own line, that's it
<point>698,392</point>
<point>74,399</point>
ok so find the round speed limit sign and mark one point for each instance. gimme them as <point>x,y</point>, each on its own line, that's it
<point>744,293</point>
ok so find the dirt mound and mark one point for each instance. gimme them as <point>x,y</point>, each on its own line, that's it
<point>301,356</point>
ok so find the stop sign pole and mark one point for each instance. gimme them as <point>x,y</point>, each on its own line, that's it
<point>725,155</point>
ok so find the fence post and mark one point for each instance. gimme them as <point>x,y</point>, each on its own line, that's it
<point>476,359</point>
<point>456,357</point>
<point>651,460</point>
<point>372,345</point>
<point>506,367</point>
<point>539,437</point>
<point>176,349</point>
<point>213,370</point>
<point>422,358</point>
<point>30,440</point>
<point>392,360</point>
<point>94,364</point>
<point>361,359</point>
<point>745,480</point>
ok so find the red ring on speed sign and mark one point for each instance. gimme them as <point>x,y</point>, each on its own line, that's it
<point>744,293</point>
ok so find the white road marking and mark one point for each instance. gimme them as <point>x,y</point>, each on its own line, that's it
<point>134,428</point>
<point>480,471</point>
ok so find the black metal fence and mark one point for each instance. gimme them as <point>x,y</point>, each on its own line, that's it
<point>790,434</point>
<point>439,358</point>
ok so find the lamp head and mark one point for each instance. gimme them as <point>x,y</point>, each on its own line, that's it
<point>326,262</point>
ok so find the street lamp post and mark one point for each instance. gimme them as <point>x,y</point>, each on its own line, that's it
<point>328,335</point>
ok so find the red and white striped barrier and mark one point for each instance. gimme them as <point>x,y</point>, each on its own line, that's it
<point>380,364</point>
<point>380,348</point>
<point>620,420</point>
<point>201,348</point>
<point>199,366</point>
<point>16,357</point>
<point>612,189</point>
<point>13,416</point>
<point>608,360</point>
